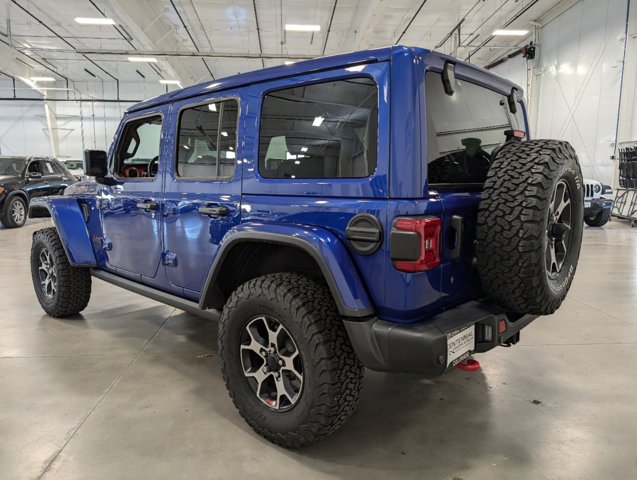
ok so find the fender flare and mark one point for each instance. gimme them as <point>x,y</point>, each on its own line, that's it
<point>321,245</point>
<point>70,223</point>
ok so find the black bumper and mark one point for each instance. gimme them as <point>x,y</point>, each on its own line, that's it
<point>422,347</point>
<point>597,205</point>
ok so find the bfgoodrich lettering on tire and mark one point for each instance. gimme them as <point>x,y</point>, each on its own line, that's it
<point>286,359</point>
<point>530,224</point>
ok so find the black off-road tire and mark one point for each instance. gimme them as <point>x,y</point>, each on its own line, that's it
<point>8,220</point>
<point>73,284</point>
<point>332,372</point>
<point>598,220</point>
<point>513,230</point>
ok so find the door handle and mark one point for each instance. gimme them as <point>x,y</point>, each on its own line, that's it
<point>213,210</point>
<point>147,206</point>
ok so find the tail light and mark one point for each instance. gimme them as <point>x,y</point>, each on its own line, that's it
<point>415,243</point>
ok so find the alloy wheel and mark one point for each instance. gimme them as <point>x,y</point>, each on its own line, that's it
<point>17,212</point>
<point>47,273</point>
<point>271,363</point>
<point>558,231</point>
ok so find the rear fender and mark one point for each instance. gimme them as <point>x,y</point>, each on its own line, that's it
<point>325,249</point>
<point>70,223</point>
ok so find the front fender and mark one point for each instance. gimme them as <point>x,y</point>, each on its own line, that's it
<point>69,221</point>
<point>325,248</point>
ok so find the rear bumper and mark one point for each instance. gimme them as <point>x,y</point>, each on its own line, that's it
<point>597,205</point>
<point>422,347</point>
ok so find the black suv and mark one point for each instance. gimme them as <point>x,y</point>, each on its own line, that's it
<point>23,178</point>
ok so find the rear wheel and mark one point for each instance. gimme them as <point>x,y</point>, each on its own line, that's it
<point>62,289</point>
<point>286,359</point>
<point>16,213</point>
<point>530,224</point>
<point>598,220</point>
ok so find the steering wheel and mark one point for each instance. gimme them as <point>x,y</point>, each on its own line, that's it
<point>153,166</point>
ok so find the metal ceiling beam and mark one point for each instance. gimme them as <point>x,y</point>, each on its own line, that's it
<point>169,53</point>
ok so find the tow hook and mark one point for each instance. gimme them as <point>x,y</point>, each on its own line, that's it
<point>469,365</point>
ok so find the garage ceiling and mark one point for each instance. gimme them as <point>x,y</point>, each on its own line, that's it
<point>196,39</point>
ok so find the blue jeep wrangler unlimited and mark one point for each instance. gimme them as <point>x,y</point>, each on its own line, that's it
<point>383,209</point>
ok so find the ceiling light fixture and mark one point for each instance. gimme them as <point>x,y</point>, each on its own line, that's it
<point>42,79</point>
<point>296,27</point>
<point>142,59</point>
<point>224,134</point>
<point>513,33</point>
<point>318,121</point>
<point>212,107</point>
<point>94,21</point>
<point>170,82</point>
<point>304,149</point>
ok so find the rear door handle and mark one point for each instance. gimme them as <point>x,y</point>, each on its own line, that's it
<point>147,206</point>
<point>213,210</point>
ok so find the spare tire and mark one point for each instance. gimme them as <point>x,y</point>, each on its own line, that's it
<point>530,224</point>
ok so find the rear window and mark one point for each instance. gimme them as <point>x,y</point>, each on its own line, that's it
<point>464,128</point>
<point>324,130</point>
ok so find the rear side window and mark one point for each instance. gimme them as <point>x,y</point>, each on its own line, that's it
<point>464,128</point>
<point>207,141</point>
<point>325,130</point>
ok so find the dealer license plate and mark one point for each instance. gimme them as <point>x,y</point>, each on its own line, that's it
<point>460,344</point>
<point>587,204</point>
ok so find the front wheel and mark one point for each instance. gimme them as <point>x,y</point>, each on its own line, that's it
<point>598,220</point>
<point>286,359</point>
<point>62,290</point>
<point>16,213</point>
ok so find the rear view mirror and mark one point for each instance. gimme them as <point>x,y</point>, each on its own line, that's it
<point>95,163</point>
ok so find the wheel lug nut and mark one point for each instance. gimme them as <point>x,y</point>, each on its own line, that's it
<point>265,369</point>
<point>280,361</point>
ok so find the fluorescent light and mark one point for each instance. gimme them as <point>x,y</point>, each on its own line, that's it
<point>170,82</point>
<point>304,149</point>
<point>514,33</point>
<point>186,147</point>
<point>297,162</point>
<point>318,121</point>
<point>42,79</point>
<point>296,27</point>
<point>231,155</point>
<point>212,107</point>
<point>142,59</point>
<point>94,21</point>
<point>224,134</point>
<point>289,62</point>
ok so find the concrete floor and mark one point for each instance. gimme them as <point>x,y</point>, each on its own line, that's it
<point>132,390</point>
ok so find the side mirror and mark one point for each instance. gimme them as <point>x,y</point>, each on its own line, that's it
<point>95,163</point>
<point>34,175</point>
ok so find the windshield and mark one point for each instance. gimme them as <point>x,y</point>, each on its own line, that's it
<point>11,165</point>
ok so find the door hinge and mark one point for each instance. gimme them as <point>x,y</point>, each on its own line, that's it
<point>107,244</point>
<point>169,259</point>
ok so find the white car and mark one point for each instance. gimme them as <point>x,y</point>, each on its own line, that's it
<point>597,208</point>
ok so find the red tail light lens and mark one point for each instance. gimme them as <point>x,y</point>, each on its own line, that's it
<point>428,229</point>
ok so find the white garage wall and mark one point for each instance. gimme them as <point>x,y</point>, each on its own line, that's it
<point>577,79</point>
<point>515,69</point>
<point>89,124</point>
<point>580,61</point>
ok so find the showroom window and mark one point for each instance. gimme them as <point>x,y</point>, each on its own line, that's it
<point>138,152</point>
<point>324,130</point>
<point>464,128</point>
<point>207,141</point>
